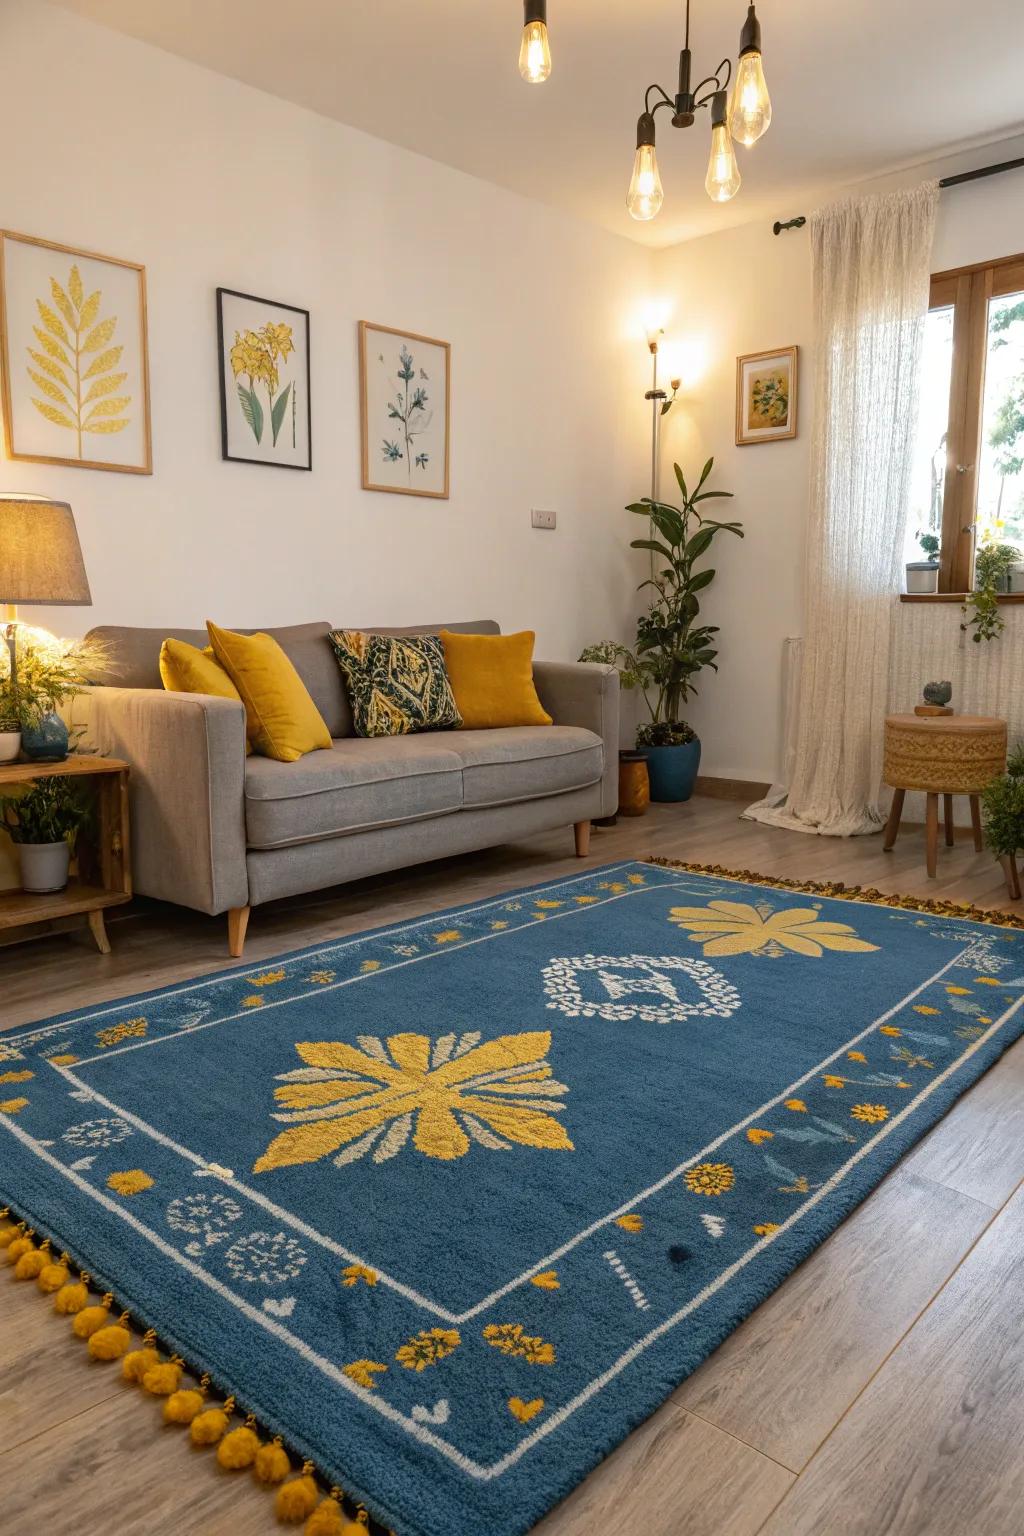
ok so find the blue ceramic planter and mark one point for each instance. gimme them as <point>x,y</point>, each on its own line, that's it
<point>47,741</point>
<point>673,770</point>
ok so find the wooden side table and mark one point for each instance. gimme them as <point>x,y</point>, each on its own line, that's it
<point>943,755</point>
<point>103,878</point>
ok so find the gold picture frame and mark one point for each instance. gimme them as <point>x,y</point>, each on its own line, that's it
<point>70,360</point>
<point>400,397</point>
<point>766,396</point>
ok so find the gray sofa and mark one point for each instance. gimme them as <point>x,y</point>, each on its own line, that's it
<point>220,832</point>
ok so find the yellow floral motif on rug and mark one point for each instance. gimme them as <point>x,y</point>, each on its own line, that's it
<point>736,928</point>
<point>443,1094</point>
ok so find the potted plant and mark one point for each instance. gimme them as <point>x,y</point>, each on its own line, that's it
<point>1002,804</point>
<point>923,575</point>
<point>672,645</point>
<point>10,725</point>
<point>992,566</point>
<point>44,819</point>
<point>46,672</point>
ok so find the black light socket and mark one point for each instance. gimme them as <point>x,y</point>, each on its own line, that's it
<point>537,10</point>
<point>644,129</point>
<point>750,35</point>
<point>719,108</point>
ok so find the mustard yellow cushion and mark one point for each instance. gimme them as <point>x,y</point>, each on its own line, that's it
<point>184,669</point>
<point>281,718</point>
<point>492,679</point>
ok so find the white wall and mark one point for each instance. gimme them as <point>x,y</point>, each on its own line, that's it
<point>748,290</point>
<point>119,148</point>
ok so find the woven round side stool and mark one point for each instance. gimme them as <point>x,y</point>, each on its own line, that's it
<point>943,755</point>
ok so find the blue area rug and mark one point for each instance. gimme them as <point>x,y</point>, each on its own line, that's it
<point>454,1205</point>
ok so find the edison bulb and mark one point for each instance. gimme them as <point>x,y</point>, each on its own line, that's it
<point>535,53</point>
<point>751,109</point>
<point>723,178</point>
<point>645,194</point>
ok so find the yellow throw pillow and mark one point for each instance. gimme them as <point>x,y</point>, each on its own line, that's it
<point>184,669</point>
<point>282,720</point>
<point>492,679</point>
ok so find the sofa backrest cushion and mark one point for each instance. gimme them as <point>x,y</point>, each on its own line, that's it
<point>133,657</point>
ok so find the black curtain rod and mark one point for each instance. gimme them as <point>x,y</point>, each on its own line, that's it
<point>945,181</point>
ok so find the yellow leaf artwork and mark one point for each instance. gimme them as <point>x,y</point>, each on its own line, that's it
<point>75,349</point>
<point>441,1094</point>
<point>735,928</point>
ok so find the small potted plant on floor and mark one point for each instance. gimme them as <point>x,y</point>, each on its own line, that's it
<point>44,819</point>
<point>923,575</point>
<point>672,645</point>
<point>1002,806</point>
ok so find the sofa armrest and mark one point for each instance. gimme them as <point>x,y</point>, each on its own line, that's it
<point>186,786</point>
<point>586,693</point>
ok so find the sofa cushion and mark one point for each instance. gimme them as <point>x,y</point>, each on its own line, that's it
<point>525,762</point>
<point>467,627</point>
<point>361,783</point>
<point>397,684</point>
<point>132,660</point>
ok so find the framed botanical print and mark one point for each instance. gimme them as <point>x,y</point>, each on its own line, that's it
<point>766,396</point>
<point>405,391</point>
<point>263,358</point>
<point>74,356</point>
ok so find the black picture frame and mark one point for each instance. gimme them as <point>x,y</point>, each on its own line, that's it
<point>272,304</point>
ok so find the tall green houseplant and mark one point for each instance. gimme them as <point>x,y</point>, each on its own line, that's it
<point>673,644</point>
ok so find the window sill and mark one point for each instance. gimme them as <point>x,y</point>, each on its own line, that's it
<point>955,597</point>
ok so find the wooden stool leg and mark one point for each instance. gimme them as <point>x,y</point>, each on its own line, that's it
<point>932,834</point>
<point>98,929</point>
<point>892,826</point>
<point>947,818</point>
<point>976,822</point>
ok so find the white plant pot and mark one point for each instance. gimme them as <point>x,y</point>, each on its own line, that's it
<point>922,576</point>
<point>44,866</point>
<point>10,745</point>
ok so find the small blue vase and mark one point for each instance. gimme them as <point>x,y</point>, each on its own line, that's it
<point>46,741</point>
<point>673,770</point>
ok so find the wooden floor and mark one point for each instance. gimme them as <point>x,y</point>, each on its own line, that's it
<point>880,1390</point>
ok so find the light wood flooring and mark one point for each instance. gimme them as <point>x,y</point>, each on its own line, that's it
<point>878,1392</point>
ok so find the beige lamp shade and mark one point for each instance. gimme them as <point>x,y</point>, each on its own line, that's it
<point>40,556</point>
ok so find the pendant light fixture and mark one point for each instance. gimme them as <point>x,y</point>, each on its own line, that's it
<point>746,118</point>
<point>535,50</point>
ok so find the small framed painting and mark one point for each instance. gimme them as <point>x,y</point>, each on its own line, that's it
<point>405,388</point>
<point>263,357</point>
<point>74,357</point>
<point>766,395</point>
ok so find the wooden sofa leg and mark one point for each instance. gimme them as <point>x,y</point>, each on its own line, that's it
<point>582,833</point>
<point>238,922</point>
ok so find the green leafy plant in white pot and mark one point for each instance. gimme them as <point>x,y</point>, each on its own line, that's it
<point>44,819</point>
<point>672,645</point>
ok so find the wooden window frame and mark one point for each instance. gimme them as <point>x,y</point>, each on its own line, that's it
<point>968,290</point>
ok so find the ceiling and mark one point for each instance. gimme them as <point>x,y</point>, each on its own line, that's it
<point>856,89</point>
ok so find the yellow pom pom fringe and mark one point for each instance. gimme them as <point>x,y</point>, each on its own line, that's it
<point>112,1342</point>
<point>72,1297</point>
<point>297,1498</point>
<point>138,1361</point>
<point>356,1527</point>
<point>165,1378</point>
<point>53,1275</point>
<point>327,1519</point>
<point>240,1447</point>
<point>32,1263</point>
<point>19,1245</point>
<point>211,1425</point>
<point>91,1319</point>
<point>272,1463</point>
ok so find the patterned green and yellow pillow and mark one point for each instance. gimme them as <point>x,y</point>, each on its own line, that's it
<point>396,683</point>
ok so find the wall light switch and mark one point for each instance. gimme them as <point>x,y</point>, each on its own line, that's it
<point>541,519</point>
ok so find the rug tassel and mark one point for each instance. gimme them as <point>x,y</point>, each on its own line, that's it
<point>31,1265</point>
<point>211,1425</point>
<point>358,1526</point>
<point>327,1519</point>
<point>112,1342</point>
<point>138,1361</point>
<point>165,1378</point>
<point>182,1406</point>
<point>72,1297</point>
<point>22,1243</point>
<point>272,1463</point>
<point>297,1498</point>
<point>9,1232</point>
<point>240,1446</point>
<point>54,1274</point>
<point>91,1319</point>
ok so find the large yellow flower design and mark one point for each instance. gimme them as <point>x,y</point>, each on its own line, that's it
<point>734,928</point>
<point>443,1093</point>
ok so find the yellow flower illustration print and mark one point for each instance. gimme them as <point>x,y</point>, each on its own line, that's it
<point>832,1081</point>
<point>353,1273</point>
<point>630,1223</point>
<point>757,1135</point>
<point>797,1106</point>
<point>871,1114</point>
<point>268,979</point>
<point>115,1033</point>
<point>511,1339</point>
<point>132,1182</point>
<point>736,928</point>
<point>428,1347</point>
<point>442,1094</point>
<point>709,1179</point>
<point>364,1372</point>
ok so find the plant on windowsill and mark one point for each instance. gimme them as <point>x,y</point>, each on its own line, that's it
<point>992,566</point>
<point>672,646</point>
<point>923,575</point>
<point>44,819</point>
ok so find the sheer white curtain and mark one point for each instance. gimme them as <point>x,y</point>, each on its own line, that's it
<point>871,272</point>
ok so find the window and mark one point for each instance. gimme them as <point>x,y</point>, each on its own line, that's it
<point>968,471</point>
